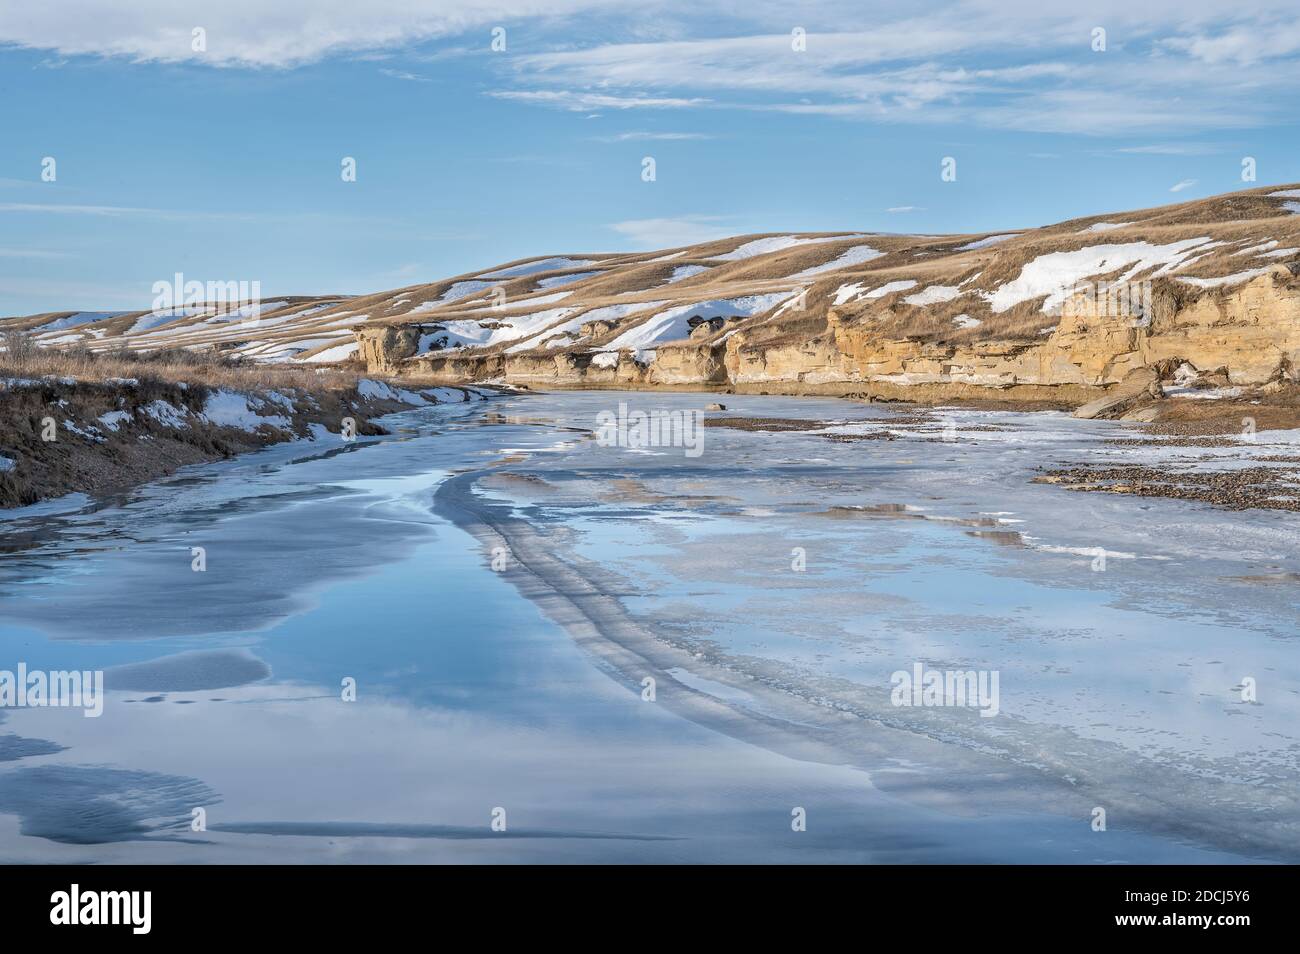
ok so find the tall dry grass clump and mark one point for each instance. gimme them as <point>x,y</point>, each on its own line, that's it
<point>18,344</point>
<point>23,359</point>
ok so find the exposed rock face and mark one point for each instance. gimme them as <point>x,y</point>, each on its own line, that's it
<point>1252,331</point>
<point>384,348</point>
<point>1139,384</point>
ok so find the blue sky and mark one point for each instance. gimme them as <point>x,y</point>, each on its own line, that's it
<point>224,163</point>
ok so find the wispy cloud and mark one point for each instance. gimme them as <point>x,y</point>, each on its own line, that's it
<point>1173,149</point>
<point>581,102</point>
<point>1182,184</point>
<point>176,215</point>
<point>670,232</point>
<point>1038,77</point>
<point>404,75</point>
<point>904,208</point>
<point>32,253</point>
<point>53,208</point>
<point>1172,65</point>
<point>644,136</point>
<point>254,33</point>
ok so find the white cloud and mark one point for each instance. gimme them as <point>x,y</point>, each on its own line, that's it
<point>1242,45</point>
<point>1038,76</point>
<point>671,232</point>
<point>1183,184</point>
<point>1172,65</point>
<point>255,32</point>
<point>903,208</point>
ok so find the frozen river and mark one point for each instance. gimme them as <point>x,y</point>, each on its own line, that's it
<point>565,651</point>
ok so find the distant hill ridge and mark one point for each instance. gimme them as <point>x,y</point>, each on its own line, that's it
<point>1061,309</point>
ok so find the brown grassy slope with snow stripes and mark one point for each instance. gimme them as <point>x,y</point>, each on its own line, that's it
<point>949,291</point>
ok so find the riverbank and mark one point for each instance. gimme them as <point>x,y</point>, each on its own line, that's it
<point>64,434</point>
<point>101,424</point>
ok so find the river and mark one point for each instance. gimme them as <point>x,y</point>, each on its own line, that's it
<point>489,637</point>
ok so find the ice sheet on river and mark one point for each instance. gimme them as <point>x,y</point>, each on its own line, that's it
<point>1119,685</point>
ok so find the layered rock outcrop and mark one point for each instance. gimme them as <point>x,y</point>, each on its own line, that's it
<point>1251,329</point>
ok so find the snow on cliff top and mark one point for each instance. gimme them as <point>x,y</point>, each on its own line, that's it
<point>673,324</point>
<point>1053,275</point>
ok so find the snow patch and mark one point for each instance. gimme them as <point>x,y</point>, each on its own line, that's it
<point>682,272</point>
<point>1205,394</point>
<point>673,324</point>
<point>167,414</point>
<point>375,390</point>
<point>1055,274</point>
<point>1236,279</point>
<point>987,241</point>
<point>115,419</point>
<point>78,319</point>
<point>226,408</point>
<point>847,292</point>
<point>471,333</point>
<point>776,243</point>
<point>336,353</point>
<point>890,287</point>
<point>933,295</point>
<point>853,256</point>
<point>539,265</point>
<point>556,281</point>
<point>455,292</point>
<point>91,433</point>
<point>1258,249</point>
<point>574,324</point>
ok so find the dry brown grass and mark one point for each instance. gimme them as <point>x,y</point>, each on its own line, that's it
<point>24,360</point>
